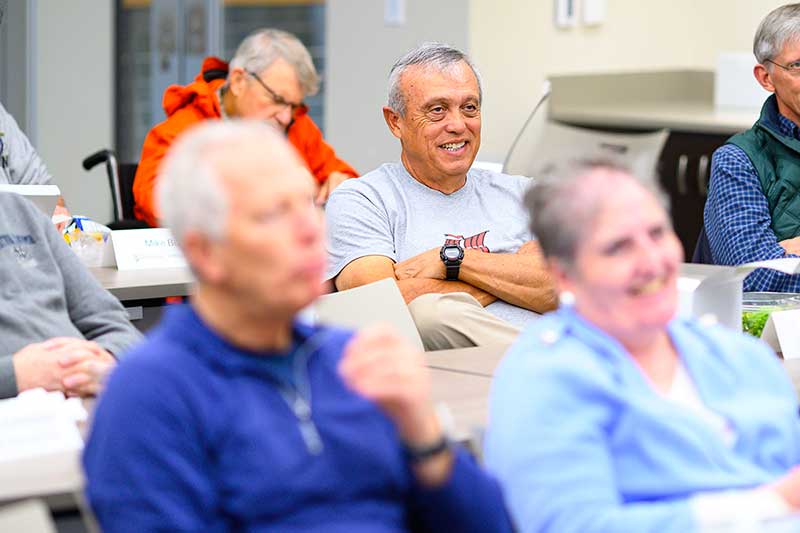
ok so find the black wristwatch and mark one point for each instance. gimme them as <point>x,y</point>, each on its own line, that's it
<point>419,454</point>
<point>452,255</point>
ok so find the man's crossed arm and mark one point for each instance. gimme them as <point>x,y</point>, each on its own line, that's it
<point>520,278</point>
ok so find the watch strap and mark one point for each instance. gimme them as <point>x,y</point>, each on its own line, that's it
<point>418,454</point>
<point>452,271</point>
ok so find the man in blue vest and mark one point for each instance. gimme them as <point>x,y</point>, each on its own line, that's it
<point>753,207</point>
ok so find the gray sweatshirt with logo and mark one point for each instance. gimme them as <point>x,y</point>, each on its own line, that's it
<point>19,162</point>
<point>45,291</point>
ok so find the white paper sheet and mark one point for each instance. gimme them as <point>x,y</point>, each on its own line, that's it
<point>38,423</point>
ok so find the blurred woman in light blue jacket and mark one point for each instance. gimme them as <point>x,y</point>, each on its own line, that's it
<point>610,414</point>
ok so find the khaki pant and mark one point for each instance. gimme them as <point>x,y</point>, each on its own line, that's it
<point>458,320</point>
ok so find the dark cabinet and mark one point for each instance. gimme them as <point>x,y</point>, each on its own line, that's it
<point>684,170</point>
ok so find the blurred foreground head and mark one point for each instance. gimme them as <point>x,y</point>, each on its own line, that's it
<point>240,203</point>
<point>609,242</point>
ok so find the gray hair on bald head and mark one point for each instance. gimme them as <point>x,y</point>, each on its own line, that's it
<point>190,192</point>
<point>564,204</point>
<point>780,26</point>
<point>262,48</point>
<point>431,54</point>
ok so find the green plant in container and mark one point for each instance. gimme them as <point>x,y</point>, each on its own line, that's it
<point>753,322</point>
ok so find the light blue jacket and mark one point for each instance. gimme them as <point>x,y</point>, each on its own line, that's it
<point>582,443</point>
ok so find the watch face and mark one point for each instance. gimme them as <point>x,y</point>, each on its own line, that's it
<point>452,253</point>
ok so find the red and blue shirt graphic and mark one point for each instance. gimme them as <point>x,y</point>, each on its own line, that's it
<point>476,241</point>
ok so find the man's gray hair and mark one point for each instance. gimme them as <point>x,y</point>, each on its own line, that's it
<point>431,54</point>
<point>263,47</point>
<point>780,26</point>
<point>564,204</point>
<point>190,192</point>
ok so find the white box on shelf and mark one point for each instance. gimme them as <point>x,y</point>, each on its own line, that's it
<point>735,86</point>
<point>593,12</point>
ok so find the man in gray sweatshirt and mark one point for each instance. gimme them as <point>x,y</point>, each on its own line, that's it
<point>59,329</point>
<point>19,162</point>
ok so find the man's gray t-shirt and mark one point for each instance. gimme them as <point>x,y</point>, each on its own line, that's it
<point>387,212</point>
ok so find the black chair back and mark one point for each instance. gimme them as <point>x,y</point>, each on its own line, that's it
<point>126,172</point>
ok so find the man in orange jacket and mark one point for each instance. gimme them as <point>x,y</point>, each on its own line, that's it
<point>267,79</point>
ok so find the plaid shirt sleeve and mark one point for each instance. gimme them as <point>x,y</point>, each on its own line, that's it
<point>737,221</point>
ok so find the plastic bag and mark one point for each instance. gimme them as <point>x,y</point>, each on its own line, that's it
<point>87,239</point>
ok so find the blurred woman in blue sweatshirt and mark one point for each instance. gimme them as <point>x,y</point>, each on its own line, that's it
<point>611,414</point>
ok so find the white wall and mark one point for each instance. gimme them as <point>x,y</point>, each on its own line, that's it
<point>360,50</point>
<point>73,97</point>
<point>516,46</point>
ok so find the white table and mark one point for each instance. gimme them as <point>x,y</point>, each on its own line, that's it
<point>145,284</point>
<point>467,399</point>
<point>479,361</point>
<point>461,380</point>
<point>56,477</point>
<point>142,292</point>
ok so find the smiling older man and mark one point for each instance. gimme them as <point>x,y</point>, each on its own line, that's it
<point>267,79</point>
<point>454,238</point>
<point>753,209</point>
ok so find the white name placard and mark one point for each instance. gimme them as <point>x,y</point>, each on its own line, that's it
<point>138,249</point>
<point>781,333</point>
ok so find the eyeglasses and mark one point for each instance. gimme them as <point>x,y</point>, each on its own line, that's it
<point>278,99</point>
<point>792,68</point>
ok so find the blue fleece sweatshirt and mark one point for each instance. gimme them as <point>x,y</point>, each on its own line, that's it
<point>582,442</point>
<point>195,434</point>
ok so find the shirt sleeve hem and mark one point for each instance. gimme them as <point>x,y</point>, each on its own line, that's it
<point>340,265</point>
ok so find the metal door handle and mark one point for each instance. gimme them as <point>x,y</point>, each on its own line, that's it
<point>702,172</point>
<point>683,163</point>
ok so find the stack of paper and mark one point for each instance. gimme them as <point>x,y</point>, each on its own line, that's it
<point>40,444</point>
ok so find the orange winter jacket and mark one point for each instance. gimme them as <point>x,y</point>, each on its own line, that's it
<point>198,101</point>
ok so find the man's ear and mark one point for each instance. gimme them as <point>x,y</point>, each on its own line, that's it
<point>202,253</point>
<point>393,120</point>
<point>763,77</point>
<point>237,77</point>
<point>559,273</point>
